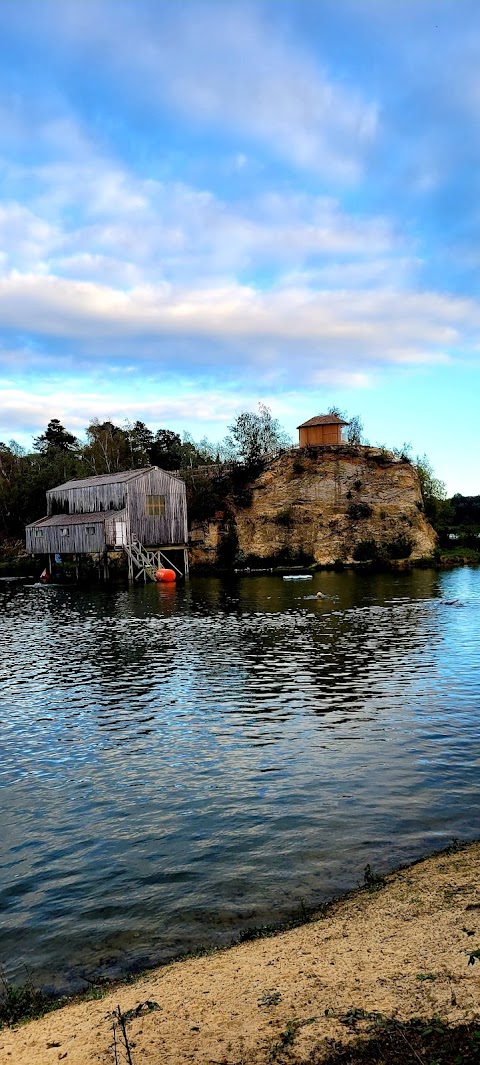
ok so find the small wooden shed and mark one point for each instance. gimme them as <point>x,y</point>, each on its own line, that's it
<point>323,429</point>
<point>138,511</point>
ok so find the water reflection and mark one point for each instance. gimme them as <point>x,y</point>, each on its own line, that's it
<point>178,763</point>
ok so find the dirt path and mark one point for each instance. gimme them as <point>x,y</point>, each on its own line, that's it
<point>402,950</point>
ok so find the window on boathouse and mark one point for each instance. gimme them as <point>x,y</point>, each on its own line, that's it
<point>155,506</point>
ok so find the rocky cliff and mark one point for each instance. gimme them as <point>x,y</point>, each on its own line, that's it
<point>327,504</point>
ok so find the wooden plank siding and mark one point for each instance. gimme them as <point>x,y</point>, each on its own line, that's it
<point>87,498</point>
<point>314,435</point>
<point>62,536</point>
<point>171,528</point>
<point>100,502</point>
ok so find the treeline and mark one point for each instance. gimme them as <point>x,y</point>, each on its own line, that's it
<point>458,520</point>
<point>253,437</point>
<point>57,456</point>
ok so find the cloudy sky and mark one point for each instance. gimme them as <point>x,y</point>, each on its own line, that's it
<point>208,204</point>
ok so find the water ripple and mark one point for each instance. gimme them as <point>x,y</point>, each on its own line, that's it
<point>180,763</point>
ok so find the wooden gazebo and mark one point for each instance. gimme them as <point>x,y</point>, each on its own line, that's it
<point>323,429</point>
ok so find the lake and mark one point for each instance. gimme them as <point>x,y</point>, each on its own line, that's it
<point>182,763</point>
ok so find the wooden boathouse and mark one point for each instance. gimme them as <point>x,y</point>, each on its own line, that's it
<point>142,513</point>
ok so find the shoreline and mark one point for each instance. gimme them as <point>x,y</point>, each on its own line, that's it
<point>397,947</point>
<point>18,574</point>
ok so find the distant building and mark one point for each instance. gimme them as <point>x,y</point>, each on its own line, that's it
<point>137,511</point>
<point>323,429</point>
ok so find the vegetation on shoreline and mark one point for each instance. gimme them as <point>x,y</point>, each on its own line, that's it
<point>22,1002</point>
<point>389,1041</point>
<point>57,455</point>
<point>288,1003</point>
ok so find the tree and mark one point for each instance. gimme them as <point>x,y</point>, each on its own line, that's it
<point>55,436</point>
<point>466,510</point>
<point>354,428</point>
<point>256,437</point>
<point>140,441</point>
<point>8,461</point>
<point>24,480</point>
<point>166,450</point>
<point>108,448</point>
<point>433,490</point>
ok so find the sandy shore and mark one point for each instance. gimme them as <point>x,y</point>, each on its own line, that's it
<point>402,950</point>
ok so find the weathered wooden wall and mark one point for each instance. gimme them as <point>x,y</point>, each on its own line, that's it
<point>155,531</point>
<point>49,539</point>
<point>311,435</point>
<point>120,498</point>
<point>87,499</point>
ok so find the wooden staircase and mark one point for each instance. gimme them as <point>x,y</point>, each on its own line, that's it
<point>146,561</point>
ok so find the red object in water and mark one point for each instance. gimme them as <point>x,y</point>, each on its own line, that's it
<point>45,576</point>
<point>166,575</point>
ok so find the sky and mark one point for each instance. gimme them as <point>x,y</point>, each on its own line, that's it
<point>206,205</point>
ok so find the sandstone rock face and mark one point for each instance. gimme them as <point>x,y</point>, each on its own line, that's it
<point>204,540</point>
<point>325,504</point>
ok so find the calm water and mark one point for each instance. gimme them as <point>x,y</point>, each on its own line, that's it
<point>181,763</point>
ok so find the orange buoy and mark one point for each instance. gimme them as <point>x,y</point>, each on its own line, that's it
<point>166,575</point>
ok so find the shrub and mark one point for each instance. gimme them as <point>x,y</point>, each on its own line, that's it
<point>384,458</point>
<point>228,546</point>
<point>203,499</point>
<point>238,483</point>
<point>20,1002</point>
<point>359,510</point>
<point>284,557</point>
<point>242,495</point>
<point>284,517</point>
<point>365,551</point>
<point>401,547</point>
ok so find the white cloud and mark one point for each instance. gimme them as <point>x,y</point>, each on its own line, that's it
<point>83,207</point>
<point>26,239</point>
<point>75,404</point>
<point>227,66</point>
<point>234,328</point>
<point>141,269</point>
<point>231,68</point>
<point>83,210</point>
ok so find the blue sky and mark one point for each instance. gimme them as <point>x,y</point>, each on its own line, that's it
<point>207,205</point>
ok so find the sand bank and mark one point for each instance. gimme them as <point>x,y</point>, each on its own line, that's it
<point>402,950</point>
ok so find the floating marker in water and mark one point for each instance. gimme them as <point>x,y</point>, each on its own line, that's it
<point>165,575</point>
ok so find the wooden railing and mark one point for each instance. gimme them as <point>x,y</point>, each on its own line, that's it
<point>147,560</point>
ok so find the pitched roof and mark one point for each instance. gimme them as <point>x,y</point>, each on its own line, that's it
<point>103,478</point>
<point>323,419</point>
<point>97,517</point>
